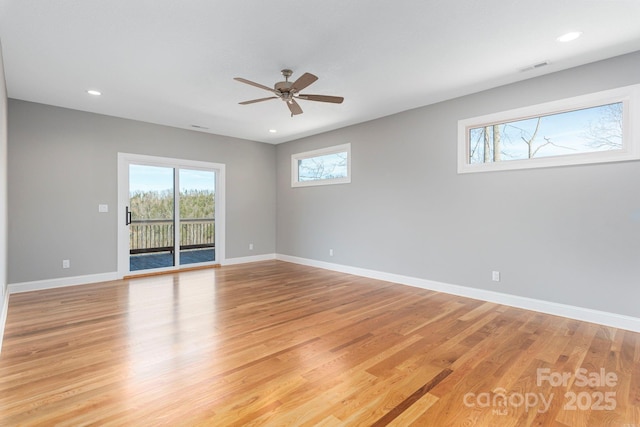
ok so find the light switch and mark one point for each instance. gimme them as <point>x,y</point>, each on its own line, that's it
<point>103,208</point>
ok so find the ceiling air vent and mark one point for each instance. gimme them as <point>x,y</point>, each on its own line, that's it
<point>535,66</point>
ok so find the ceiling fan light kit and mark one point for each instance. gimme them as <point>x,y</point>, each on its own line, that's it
<point>290,91</point>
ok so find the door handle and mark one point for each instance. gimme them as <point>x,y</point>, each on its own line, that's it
<point>127,218</point>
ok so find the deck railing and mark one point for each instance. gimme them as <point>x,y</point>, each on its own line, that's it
<point>156,235</point>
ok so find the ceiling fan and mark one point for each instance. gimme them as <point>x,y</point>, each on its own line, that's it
<point>289,92</point>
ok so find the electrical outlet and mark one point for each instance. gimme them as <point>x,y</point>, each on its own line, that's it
<point>66,263</point>
<point>495,276</point>
<point>250,246</point>
<point>330,252</point>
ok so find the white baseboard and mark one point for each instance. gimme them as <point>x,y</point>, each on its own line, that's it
<point>39,285</point>
<point>564,310</point>
<point>4,307</point>
<point>246,259</point>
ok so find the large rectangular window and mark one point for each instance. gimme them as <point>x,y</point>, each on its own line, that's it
<point>587,129</point>
<point>330,165</point>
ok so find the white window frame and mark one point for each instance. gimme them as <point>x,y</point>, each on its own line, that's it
<point>628,95</point>
<point>295,179</point>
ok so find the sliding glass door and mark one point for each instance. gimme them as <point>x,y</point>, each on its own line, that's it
<point>151,217</point>
<point>171,213</point>
<point>197,216</point>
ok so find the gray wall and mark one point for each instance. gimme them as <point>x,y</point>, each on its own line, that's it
<point>3,182</point>
<point>565,234</point>
<point>63,163</point>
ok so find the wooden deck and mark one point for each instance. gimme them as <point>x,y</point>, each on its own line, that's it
<point>277,344</point>
<point>147,261</point>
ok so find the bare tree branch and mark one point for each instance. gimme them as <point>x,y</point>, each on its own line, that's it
<point>607,131</point>
<point>529,142</point>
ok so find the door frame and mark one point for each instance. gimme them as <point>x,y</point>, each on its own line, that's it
<point>124,160</point>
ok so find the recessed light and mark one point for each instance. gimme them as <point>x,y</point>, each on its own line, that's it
<point>569,36</point>
<point>273,130</point>
<point>94,92</point>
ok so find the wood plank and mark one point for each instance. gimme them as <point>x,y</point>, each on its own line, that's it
<point>274,343</point>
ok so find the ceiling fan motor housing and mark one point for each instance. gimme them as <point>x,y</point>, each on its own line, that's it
<point>283,86</point>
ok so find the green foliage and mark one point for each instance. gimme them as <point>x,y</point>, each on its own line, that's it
<point>197,204</point>
<point>194,204</point>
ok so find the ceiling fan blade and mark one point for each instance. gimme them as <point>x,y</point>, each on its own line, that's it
<point>294,107</point>
<point>253,101</point>
<point>249,82</point>
<point>303,81</point>
<point>322,98</point>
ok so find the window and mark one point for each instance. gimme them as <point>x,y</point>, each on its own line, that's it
<point>593,128</point>
<point>330,165</point>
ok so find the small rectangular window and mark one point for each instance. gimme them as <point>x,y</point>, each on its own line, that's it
<point>330,165</point>
<point>593,128</point>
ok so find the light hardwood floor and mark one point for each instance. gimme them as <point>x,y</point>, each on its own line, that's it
<point>274,343</point>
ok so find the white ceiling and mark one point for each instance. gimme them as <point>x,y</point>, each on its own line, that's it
<point>172,62</point>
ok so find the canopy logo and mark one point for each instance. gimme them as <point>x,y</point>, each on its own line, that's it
<point>500,401</point>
